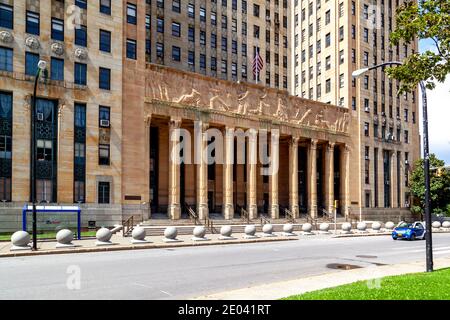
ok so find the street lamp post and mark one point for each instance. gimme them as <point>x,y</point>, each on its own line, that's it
<point>42,65</point>
<point>426,156</point>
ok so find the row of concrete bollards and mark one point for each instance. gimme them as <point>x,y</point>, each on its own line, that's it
<point>21,239</point>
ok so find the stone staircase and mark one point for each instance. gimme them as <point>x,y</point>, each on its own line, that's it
<point>156,227</point>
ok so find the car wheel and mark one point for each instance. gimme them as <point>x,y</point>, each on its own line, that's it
<point>413,237</point>
<point>395,238</point>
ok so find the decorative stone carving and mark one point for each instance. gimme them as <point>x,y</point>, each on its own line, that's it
<point>57,48</point>
<point>6,36</point>
<point>174,86</point>
<point>81,53</point>
<point>32,42</point>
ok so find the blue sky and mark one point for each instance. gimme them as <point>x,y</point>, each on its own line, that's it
<point>438,113</point>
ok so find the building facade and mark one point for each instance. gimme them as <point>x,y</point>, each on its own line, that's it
<point>78,108</point>
<point>331,39</point>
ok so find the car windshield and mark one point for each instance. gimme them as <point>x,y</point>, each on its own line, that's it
<point>404,225</point>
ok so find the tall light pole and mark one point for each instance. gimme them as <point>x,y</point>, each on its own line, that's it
<point>42,65</point>
<point>426,156</point>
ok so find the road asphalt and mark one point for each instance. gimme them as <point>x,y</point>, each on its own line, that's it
<point>189,272</point>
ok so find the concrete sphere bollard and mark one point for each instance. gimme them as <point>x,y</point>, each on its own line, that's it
<point>346,227</point>
<point>376,226</point>
<point>389,225</point>
<point>268,230</point>
<point>361,226</point>
<point>288,229</point>
<point>436,224</point>
<point>20,240</point>
<point>64,238</point>
<point>138,234</point>
<point>170,233</point>
<point>324,227</point>
<point>306,228</point>
<point>446,224</point>
<point>225,233</point>
<point>199,233</point>
<point>103,236</point>
<point>250,231</point>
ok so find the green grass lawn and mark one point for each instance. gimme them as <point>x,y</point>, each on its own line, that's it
<point>417,286</point>
<point>47,235</point>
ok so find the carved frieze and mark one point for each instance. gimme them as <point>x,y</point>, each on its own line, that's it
<point>173,86</point>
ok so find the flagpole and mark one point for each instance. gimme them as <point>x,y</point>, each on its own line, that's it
<point>257,68</point>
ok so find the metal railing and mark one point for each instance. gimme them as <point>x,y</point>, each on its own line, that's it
<point>128,226</point>
<point>264,220</point>
<point>209,224</point>
<point>244,215</point>
<point>192,215</point>
<point>289,215</point>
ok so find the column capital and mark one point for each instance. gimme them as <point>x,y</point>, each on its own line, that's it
<point>314,143</point>
<point>330,146</point>
<point>294,140</point>
<point>346,148</point>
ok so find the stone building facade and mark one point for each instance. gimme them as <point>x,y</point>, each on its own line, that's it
<point>71,102</point>
<point>330,40</point>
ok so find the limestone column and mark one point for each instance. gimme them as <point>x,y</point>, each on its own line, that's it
<point>393,160</point>
<point>252,208</point>
<point>293,176</point>
<point>202,172</point>
<point>401,182</point>
<point>329,177</point>
<point>312,181</point>
<point>273,177</point>
<point>174,208</point>
<point>227,207</point>
<point>345,180</point>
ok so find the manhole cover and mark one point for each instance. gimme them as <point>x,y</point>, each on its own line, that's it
<point>366,256</point>
<point>341,266</point>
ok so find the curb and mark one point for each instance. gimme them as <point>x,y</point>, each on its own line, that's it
<point>141,247</point>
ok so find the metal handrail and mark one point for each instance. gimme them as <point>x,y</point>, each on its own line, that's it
<point>192,215</point>
<point>289,215</point>
<point>264,220</point>
<point>128,226</point>
<point>209,224</point>
<point>244,215</point>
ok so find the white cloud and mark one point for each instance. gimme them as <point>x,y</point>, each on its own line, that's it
<point>439,120</point>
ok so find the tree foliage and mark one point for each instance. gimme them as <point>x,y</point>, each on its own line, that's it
<point>439,187</point>
<point>425,19</point>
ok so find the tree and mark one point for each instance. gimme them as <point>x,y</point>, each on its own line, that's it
<point>439,187</point>
<point>428,19</point>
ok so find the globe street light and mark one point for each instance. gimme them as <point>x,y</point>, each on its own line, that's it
<point>42,66</point>
<point>426,155</point>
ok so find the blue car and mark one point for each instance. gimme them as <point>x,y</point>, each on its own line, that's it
<point>410,231</point>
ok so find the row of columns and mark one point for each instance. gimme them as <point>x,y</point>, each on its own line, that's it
<point>174,207</point>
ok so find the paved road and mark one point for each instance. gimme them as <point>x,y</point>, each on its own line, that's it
<point>190,272</point>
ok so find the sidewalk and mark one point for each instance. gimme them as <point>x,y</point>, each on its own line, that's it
<point>278,290</point>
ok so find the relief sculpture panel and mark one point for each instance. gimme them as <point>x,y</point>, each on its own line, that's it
<point>193,90</point>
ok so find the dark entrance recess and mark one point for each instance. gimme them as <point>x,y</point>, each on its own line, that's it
<point>154,160</point>
<point>302,182</point>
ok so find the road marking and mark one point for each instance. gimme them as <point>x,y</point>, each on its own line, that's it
<point>165,292</point>
<point>142,285</point>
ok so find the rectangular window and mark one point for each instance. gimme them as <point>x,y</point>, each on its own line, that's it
<point>44,190</point>
<point>104,81</point>
<point>57,29</point>
<point>80,74</point>
<point>6,59</point>
<point>131,49</point>
<point>44,150</point>
<point>160,25</point>
<point>31,62</point>
<point>81,36</point>
<point>105,41</point>
<point>82,4</point>
<point>104,115</point>
<point>6,16</point>
<point>131,13</point>
<point>160,50</point>
<point>176,29</point>
<point>32,23</point>
<point>176,6</point>
<point>103,192</point>
<point>105,6</point>
<point>176,53</point>
<point>191,10</point>
<point>57,69</point>
<point>103,154</point>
